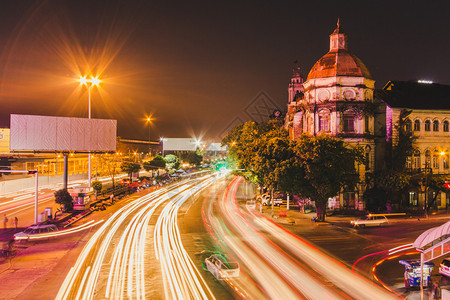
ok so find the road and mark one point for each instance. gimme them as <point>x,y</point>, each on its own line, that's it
<point>138,252</point>
<point>288,267</point>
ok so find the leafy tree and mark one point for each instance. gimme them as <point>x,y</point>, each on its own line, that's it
<point>328,166</point>
<point>97,186</point>
<point>172,162</point>
<point>112,165</point>
<point>63,198</point>
<point>157,162</point>
<point>130,168</point>
<point>192,157</point>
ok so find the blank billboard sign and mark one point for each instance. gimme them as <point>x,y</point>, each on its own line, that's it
<point>180,144</point>
<point>45,133</point>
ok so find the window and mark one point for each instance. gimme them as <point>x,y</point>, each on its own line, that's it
<point>416,125</point>
<point>417,160</point>
<point>427,125</point>
<point>408,126</point>
<point>435,162</point>
<point>349,123</point>
<point>324,123</point>
<point>445,126</point>
<point>366,124</point>
<point>408,162</point>
<point>445,160</point>
<point>436,125</point>
<point>413,197</point>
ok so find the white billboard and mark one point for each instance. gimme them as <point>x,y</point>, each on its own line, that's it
<point>180,144</point>
<point>44,133</point>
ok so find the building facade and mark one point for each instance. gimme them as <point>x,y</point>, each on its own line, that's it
<point>338,98</point>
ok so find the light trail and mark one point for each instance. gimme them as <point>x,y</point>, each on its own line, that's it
<point>333,280</point>
<point>112,263</point>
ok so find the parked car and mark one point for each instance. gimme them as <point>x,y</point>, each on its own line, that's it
<point>34,230</point>
<point>265,200</point>
<point>370,220</point>
<point>444,267</point>
<point>221,267</point>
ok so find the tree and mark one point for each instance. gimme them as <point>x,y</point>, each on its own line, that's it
<point>63,198</point>
<point>130,168</point>
<point>192,157</point>
<point>112,165</point>
<point>172,162</point>
<point>328,166</point>
<point>157,162</point>
<point>97,186</point>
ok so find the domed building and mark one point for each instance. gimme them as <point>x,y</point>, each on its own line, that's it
<point>336,99</point>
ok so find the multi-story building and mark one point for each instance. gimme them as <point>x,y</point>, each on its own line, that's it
<point>337,99</point>
<point>428,120</point>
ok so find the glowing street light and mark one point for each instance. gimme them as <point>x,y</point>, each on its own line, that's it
<point>149,120</point>
<point>91,82</point>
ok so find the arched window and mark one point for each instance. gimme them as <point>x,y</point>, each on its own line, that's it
<point>408,125</point>
<point>445,129</point>
<point>435,125</point>
<point>416,159</point>
<point>427,125</point>
<point>348,122</point>
<point>324,121</point>
<point>417,125</point>
<point>428,159</point>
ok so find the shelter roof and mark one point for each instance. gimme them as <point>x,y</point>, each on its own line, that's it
<point>435,234</point>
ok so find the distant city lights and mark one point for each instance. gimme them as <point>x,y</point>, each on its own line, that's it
<point>425,81</point>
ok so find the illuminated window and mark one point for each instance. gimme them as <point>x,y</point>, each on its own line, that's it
<point>445,126</point>
<point>367,158</point>
<point>413,198</point>
<point>349,123</point>
<point>324,123</point>
<point>408,162</point>
<point>417,160</point>
<point>435,162</point>
<point>436,125</point>
<point>408,126</point>
<point>427,125</point>
<point>445,160</point>
<point>416,125</point>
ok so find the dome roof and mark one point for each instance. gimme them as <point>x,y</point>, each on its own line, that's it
<point>339,63</point>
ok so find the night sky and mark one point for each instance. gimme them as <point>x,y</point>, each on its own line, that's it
<point>196,66</point>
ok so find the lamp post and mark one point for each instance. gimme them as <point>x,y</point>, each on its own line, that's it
<point>93,81</point>
<point>149,119</point>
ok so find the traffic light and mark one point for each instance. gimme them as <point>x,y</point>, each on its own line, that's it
<point>32,172</point>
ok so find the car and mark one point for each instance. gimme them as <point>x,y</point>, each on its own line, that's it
<point>265,200</point>
<point>444,267</point>
<point>34,230</point>
<point>370,220</point>
<point>222,267</point>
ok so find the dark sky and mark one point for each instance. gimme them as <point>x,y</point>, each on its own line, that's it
<point>196,66</point>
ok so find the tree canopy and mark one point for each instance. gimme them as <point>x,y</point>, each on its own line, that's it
<point>192,157</point>
<point>172,161</point>
<point>157,162</point>
<point>313,167</point>
<point>130,167</point>
<point>63,198</point>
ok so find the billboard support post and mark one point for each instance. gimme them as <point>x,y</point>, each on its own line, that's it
<point>66,170</point>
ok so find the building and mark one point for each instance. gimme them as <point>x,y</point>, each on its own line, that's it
<point>338,98</point>
<point>428,120</point>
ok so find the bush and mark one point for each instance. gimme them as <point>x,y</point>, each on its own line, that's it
<point>63,198</point>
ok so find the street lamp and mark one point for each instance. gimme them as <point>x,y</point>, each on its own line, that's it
<point>149,120</point>
<point>91,82</point>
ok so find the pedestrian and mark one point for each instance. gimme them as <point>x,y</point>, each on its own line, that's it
<point>16,222</point>
<point>5,221</point>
